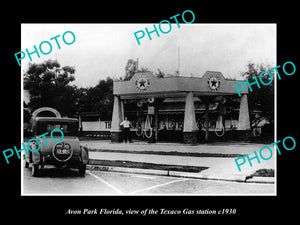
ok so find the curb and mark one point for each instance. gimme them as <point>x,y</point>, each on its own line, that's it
<point>233,178</point>
<point>171,153</point>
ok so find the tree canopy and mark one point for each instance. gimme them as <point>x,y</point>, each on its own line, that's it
<point>130,69</point>
<point>260,100</point>
<point>49,85</point>
<point>97,99</point>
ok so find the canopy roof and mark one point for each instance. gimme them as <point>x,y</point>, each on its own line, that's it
<point>145,84</point>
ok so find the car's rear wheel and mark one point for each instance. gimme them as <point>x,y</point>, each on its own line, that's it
<point>82,169</point>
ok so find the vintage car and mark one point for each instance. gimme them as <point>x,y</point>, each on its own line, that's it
<point>66,153</point>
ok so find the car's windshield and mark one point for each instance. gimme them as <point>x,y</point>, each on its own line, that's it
<point>68,128</point>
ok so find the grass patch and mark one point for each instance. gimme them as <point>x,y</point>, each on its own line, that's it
<point>263,173</point>
<point>140,165</point>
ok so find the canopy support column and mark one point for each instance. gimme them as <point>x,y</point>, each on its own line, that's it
<point>190,128</point>
<point>116,132</point>
<point>206,120</point>
<point>244,120</point>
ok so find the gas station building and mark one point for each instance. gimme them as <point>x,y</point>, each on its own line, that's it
<point>183,106</point>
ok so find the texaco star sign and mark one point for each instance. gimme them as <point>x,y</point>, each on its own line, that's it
<point>142,83</point>
<point>213,83</point>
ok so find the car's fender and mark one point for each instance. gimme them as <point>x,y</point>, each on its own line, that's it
<point>84,154</point>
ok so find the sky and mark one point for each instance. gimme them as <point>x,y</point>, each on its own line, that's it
<point>102,50</point>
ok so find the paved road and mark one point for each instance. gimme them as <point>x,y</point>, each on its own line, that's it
<point>223,168</point>
<point>67,182</point>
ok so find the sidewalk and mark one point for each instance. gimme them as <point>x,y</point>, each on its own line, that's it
<point>215,160</point>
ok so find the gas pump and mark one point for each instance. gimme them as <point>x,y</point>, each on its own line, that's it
<point>145,127</point>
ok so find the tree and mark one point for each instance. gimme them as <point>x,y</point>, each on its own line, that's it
<point>26,113</point>
<point>48,85</point>
<point>97,99</point>
<point>130,69</point>
<point>260,100</point>
<point>159,74</point>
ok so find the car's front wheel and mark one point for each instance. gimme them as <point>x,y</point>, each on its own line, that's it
<point>34,170</point>
<point>26,164</point>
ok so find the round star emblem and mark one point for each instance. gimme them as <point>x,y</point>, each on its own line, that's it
<point>142,83</point>
<point>213,83</point>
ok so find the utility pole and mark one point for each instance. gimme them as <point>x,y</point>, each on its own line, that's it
<point>178,60</point>
<point>137,64</point>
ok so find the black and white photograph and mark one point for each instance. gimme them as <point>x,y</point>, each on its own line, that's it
<point>144,109</point>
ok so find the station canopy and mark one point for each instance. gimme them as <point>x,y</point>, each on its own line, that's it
<point>145,85</point>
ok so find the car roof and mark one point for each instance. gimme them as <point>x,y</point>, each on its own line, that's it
<point>55,119</point>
